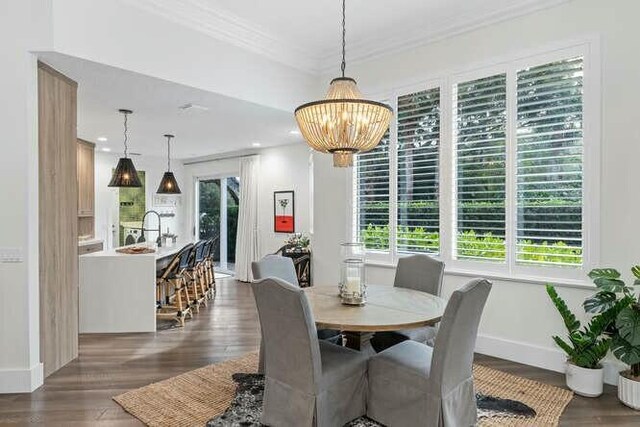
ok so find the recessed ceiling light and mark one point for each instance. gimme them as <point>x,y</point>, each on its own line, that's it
<point>256,144</point>
<point>102,139</point>
<point>193,107</point>
<point>106,149</point>
<point>294,132</point>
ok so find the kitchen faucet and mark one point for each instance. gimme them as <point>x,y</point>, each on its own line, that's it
<point>159,239</point>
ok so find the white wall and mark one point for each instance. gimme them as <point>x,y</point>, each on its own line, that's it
<point>284,167</point>
<point>24,26</point>
<point>107,202</point>
<point>519,320</point>
<point>119,34</point>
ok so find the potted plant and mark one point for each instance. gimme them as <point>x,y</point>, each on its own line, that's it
<point>585,348</point>
<point>615,296</point>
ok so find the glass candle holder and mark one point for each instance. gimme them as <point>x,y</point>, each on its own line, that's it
<point>353,250</point>
<point>353,290</point>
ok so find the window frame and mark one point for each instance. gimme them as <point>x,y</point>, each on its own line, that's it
<point>589,49</point>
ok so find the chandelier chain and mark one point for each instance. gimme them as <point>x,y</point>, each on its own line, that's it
<point>343,65</point>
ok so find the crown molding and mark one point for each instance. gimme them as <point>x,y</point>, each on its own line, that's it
<point>200,16</point>
<point>408,39</point>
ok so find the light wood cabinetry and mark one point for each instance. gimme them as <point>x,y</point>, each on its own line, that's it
<point>86,192</point>
<point>86,189</point>
<point>58,209</point>
<point>91,248</point>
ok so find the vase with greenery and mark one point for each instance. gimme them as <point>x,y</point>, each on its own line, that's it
<point>585,347</point>
<point>615,296</point>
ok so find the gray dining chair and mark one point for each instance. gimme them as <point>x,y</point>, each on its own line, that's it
<point>308,382</point>
<point>421,273</point>
<point>412,384</point>
<point>282,268</point>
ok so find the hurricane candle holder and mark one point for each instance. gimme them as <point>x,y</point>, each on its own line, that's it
<point>350,251</point>
<point>353,290</point>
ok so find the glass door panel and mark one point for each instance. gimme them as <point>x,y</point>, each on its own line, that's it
<point>217,207</point>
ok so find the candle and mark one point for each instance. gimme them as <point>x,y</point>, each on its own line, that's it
<point>353,285</point>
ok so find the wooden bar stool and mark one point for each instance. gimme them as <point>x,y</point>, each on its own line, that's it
<point>207,266</point>
<point>193,277</point>
<point>172,297</point>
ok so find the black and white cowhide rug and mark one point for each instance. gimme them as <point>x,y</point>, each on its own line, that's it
<point>246,408</point>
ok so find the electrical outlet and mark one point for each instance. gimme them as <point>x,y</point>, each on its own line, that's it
<point>11,255</point>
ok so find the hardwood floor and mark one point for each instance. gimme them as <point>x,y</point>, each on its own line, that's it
<point>80,393</point>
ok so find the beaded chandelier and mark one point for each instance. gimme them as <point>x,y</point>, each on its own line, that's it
<point>343,123</point>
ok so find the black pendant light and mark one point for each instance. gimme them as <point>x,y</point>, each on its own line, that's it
<point>168,185</point>
<point>125,174</point>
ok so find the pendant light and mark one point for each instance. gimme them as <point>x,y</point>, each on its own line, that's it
<point>125,174</point>
<point>168,184</point>
<point>343,123</point>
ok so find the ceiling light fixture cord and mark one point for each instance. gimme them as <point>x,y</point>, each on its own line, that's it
<point>344,36</point>
<point>125,135</point>
<point>168,153</point>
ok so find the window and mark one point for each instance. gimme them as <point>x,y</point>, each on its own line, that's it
<point>480,153</point>
<point>372,196</point>
<point>487,167</point>
<point>418,165</point>
<point>549,163</point>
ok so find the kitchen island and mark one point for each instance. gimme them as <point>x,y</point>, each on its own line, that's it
<point>118,291</point>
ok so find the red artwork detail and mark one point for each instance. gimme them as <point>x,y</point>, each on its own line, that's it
<point>284,223</point>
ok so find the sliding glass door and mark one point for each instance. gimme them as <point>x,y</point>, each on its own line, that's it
<point>217,217</point>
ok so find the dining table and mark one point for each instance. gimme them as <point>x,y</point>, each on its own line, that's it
<point>387,308</point>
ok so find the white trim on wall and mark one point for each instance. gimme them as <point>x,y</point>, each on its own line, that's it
<point>21,380</point>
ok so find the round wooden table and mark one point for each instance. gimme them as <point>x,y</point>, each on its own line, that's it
<point>387,309</point>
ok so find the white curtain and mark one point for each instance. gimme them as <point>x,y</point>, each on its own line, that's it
<point>247,242</point>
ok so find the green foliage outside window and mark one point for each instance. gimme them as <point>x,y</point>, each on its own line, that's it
<point>470,245</point>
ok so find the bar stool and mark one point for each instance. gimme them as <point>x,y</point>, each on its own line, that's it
<point>193,276</point>
<point>209,274</point>
<point>172,297</point>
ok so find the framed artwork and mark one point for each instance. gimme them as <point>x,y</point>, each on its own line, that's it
<point>284,217</point>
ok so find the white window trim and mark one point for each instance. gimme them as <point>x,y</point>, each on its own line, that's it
<point>589,49</point>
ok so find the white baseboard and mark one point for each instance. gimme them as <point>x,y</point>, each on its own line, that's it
<point>533,355</point>
<point>21,380</point>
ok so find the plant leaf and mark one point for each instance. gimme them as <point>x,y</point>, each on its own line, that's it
<point>628,324</point>
<point>600,302</point>
<point>636,271</point>
<point>624,351</point>
<point>609,285</point>
<point>606,273</point>
<point>568,317</point>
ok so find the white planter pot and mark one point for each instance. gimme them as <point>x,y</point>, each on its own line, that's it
<point>629,392</point>
<point>583,381</point>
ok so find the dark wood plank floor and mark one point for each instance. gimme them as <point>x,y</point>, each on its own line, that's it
<point>80,393</point>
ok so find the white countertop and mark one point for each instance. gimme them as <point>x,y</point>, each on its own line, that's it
<point>162,252</point>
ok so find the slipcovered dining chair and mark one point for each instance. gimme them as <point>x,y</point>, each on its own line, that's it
<point>421,273</point>
<point>412,384</point>
<point>283,269</point>
<point>308,382</point>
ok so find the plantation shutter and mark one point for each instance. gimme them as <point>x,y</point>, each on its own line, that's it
<point>549,163</point>
<point>480,152</point>
<point>372,196</point>
<point>418,135</point>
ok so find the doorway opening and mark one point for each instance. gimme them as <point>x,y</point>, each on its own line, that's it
<point>217,209</point>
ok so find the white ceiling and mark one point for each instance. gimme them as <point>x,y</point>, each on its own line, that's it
<point>228,125</point>
<point>306,33</point>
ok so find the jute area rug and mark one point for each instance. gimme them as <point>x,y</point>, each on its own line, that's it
<point>195,397</point>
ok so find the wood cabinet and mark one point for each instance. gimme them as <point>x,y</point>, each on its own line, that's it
<point>86,192</point>
<point>58,226</point>
<point>90,248</point>
<point>86,189</point>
